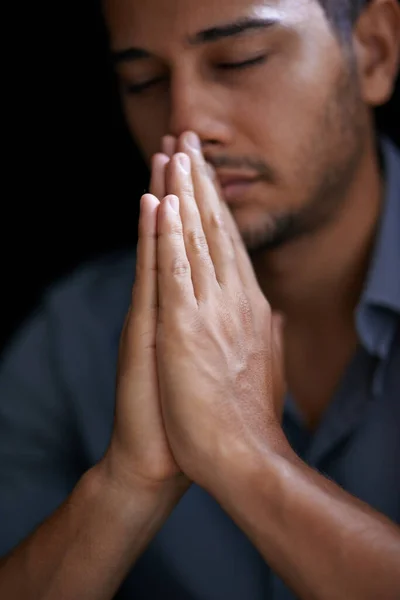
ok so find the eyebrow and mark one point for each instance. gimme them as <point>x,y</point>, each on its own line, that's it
<point>230,30</point>
<point>206,36</point>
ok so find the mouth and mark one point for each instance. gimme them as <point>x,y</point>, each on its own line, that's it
<point>234,187</point>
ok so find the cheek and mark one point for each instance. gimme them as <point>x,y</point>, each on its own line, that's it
<point>281,120</point>
<point>288,122</point>
<point>286,103</point>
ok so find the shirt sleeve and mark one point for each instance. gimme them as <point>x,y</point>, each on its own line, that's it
<point>38,440</point>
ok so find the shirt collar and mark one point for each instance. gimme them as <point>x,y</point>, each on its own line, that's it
<point>379,309</point>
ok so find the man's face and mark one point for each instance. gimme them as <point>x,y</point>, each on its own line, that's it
<point>267,88</point>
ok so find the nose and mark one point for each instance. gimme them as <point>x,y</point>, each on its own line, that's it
<point>199,106</point>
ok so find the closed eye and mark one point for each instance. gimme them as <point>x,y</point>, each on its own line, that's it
<point>244,64</point>
<point>137,88</point>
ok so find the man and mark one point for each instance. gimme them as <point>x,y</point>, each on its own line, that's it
<point>199,487</point>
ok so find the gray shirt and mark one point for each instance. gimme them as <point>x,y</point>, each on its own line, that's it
<point>57,383</point>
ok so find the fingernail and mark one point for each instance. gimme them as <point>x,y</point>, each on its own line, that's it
<point>184,162</point>
<point>193,141</point>
<point>173,201</point>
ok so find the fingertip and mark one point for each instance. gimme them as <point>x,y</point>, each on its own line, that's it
<point>168,213</point>
<point>168,145</point>
<point>279,319</point>
<point>149,202</point>
<point>182,160</point>
<point>172,203</point>
<point>159,160</point>
<point>191,141</point>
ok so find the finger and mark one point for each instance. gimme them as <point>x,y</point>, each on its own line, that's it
<point>191,220</point>
<point>144,294</point>
<point>175,288</point>
<point>168,145</point>
<point>278,362</point>
<point>157,182</point>
<point>209,205</point>
<point>242,258</point>
<point>202,269</point>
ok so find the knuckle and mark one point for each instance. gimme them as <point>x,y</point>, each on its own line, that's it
<point>143,273</point>
<point>197,241</point>
<point>175,231</point>
<point>217,222</point>
<point>146,339</point>
<point>172,235</point>
<point>146,267</point>
<point>180,267</point>
<point>244,308</point>
<point>187,190</point>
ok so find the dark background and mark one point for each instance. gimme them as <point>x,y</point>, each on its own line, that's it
<point>72,177</point>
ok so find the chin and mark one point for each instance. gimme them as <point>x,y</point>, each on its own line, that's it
<point>259,241</point>
<point>255,226</point>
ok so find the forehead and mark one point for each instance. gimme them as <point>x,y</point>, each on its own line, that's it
<point>174,21</point>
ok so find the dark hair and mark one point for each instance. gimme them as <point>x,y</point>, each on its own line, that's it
<point>343,14</point>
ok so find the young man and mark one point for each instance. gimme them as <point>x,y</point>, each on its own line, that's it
<point>202,478</point>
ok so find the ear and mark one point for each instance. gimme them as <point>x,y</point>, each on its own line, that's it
<point>377,49</point>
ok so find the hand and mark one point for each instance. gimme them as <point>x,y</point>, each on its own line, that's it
<point>219,350</point>
<point>139,453</point>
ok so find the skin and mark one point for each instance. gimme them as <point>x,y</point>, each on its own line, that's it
<point>304,128</point>
<point>202,364</point>
<point>306,131</point>
<point>218,345</point>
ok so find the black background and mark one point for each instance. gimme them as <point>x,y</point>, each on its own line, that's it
<point>72,178</point>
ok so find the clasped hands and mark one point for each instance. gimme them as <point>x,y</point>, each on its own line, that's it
<point>200,378</point>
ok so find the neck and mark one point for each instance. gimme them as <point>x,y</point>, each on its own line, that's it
<point>324,273</point>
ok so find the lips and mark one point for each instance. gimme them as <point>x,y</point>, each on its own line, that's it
<point>235,186</point>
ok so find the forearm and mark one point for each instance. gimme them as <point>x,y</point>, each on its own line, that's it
<point>86,548</point>
<point>325,544</point>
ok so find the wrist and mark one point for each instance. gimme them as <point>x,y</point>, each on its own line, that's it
<point>250,466</point>
<point>123,474</point>
<point>135,495</point>
<point>122,519</point>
